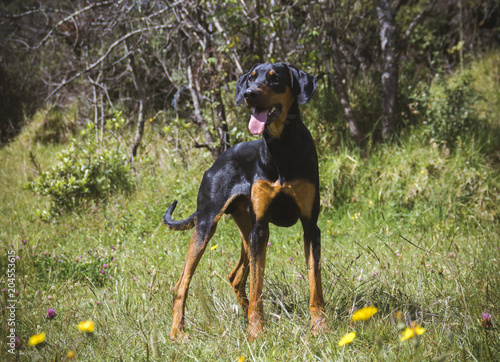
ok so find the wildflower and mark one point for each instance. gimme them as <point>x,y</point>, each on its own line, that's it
<point>51,314</point>
<point>291,258</point>
<point>347,338</point>
<point>214,247</point>
<point>105,266</point>
<point>411,331</point>
<point>70,355</point>
<point>241,358</point>
<point>269,243</point>
<point>17,342</point>
<point>103,272</point>
<point>49,297</point>
<point>59,261</point>
<point>364,313</point>
<point>451,255</point>
<point>86,326</point>
<point>36,339</point>
<point>135,279</point>
<point>486,320</point>
<point>24,241</point>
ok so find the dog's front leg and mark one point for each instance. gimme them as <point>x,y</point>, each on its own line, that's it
<point>312,249</point>
<point>258,246</point>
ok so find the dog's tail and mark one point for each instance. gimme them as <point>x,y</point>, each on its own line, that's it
<point>185,224</point>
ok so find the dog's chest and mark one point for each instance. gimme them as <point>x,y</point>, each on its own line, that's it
<point>284,202</point>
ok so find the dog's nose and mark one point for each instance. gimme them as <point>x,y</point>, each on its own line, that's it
<point>251,93</point>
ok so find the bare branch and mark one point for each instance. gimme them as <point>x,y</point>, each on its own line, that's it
<point>104,56</point>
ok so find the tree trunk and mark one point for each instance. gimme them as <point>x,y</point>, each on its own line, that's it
<point>138,133</point>
<point>339,83</point>
<point>390,69</point>
<point>209,139</point>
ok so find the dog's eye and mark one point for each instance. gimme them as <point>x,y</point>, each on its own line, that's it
<point>272,76</point>
<point>252,76</point>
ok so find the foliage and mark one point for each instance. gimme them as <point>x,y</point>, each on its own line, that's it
<point>449,110</point>
<point>180,56</point>
<point>88,170</point>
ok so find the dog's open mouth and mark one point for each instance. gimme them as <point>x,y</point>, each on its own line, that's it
<point>262,117</point>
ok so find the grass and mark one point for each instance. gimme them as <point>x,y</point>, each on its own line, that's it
<point>409,227</point>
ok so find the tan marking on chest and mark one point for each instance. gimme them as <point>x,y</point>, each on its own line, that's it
<point>263,193</point>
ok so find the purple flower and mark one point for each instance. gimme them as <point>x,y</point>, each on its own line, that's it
<point>103,272</point>
<point>452,255</point>
<point>486,320</point>
<point>17,343</point>
<point>291,258</point>
<point>114,260</point>
<point>59,261</point>
<point>269,244</point>
<point>24,241</point>
<point>105,266</point>
<point>135,279</point>
<point>51,314</point>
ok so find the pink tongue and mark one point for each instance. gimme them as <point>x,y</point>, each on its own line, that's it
<point>258,122</point>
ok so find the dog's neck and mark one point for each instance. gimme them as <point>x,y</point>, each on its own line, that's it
<point>285,150</point>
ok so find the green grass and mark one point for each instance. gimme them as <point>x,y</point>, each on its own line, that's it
<point>408,227</point>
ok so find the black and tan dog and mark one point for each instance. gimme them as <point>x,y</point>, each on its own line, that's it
<point>272,180</point>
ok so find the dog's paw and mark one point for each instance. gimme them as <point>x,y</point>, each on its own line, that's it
<point>319,326</point>
<point>177,335</point>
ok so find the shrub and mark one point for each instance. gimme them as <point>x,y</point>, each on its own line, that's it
<point>88,170</point>
<point>449,110</point>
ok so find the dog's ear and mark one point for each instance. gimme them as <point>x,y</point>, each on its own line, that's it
<point>303,84</point>
<point>241,87</point>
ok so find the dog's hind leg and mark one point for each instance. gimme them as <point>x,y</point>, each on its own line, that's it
<point>238,277</point>
<point>202,234</point>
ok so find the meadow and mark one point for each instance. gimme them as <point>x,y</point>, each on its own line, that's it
<point>410,227</point>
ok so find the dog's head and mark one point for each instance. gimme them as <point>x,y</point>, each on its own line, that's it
<point>271,90</point>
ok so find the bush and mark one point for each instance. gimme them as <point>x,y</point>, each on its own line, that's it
<point>88,170</point>
<point>449,111</point>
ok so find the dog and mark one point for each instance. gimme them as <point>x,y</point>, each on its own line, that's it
<point>271,180</point>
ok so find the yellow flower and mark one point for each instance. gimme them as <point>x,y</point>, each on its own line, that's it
<point>347,338</point>
<point>71,354</point>
<point>86,326</point>
<point>241,358</point>
<point>364,313</point>
<point>214,247</point>
<point>409,332</point>
<point>37,339</point>
<point>419,330</point>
